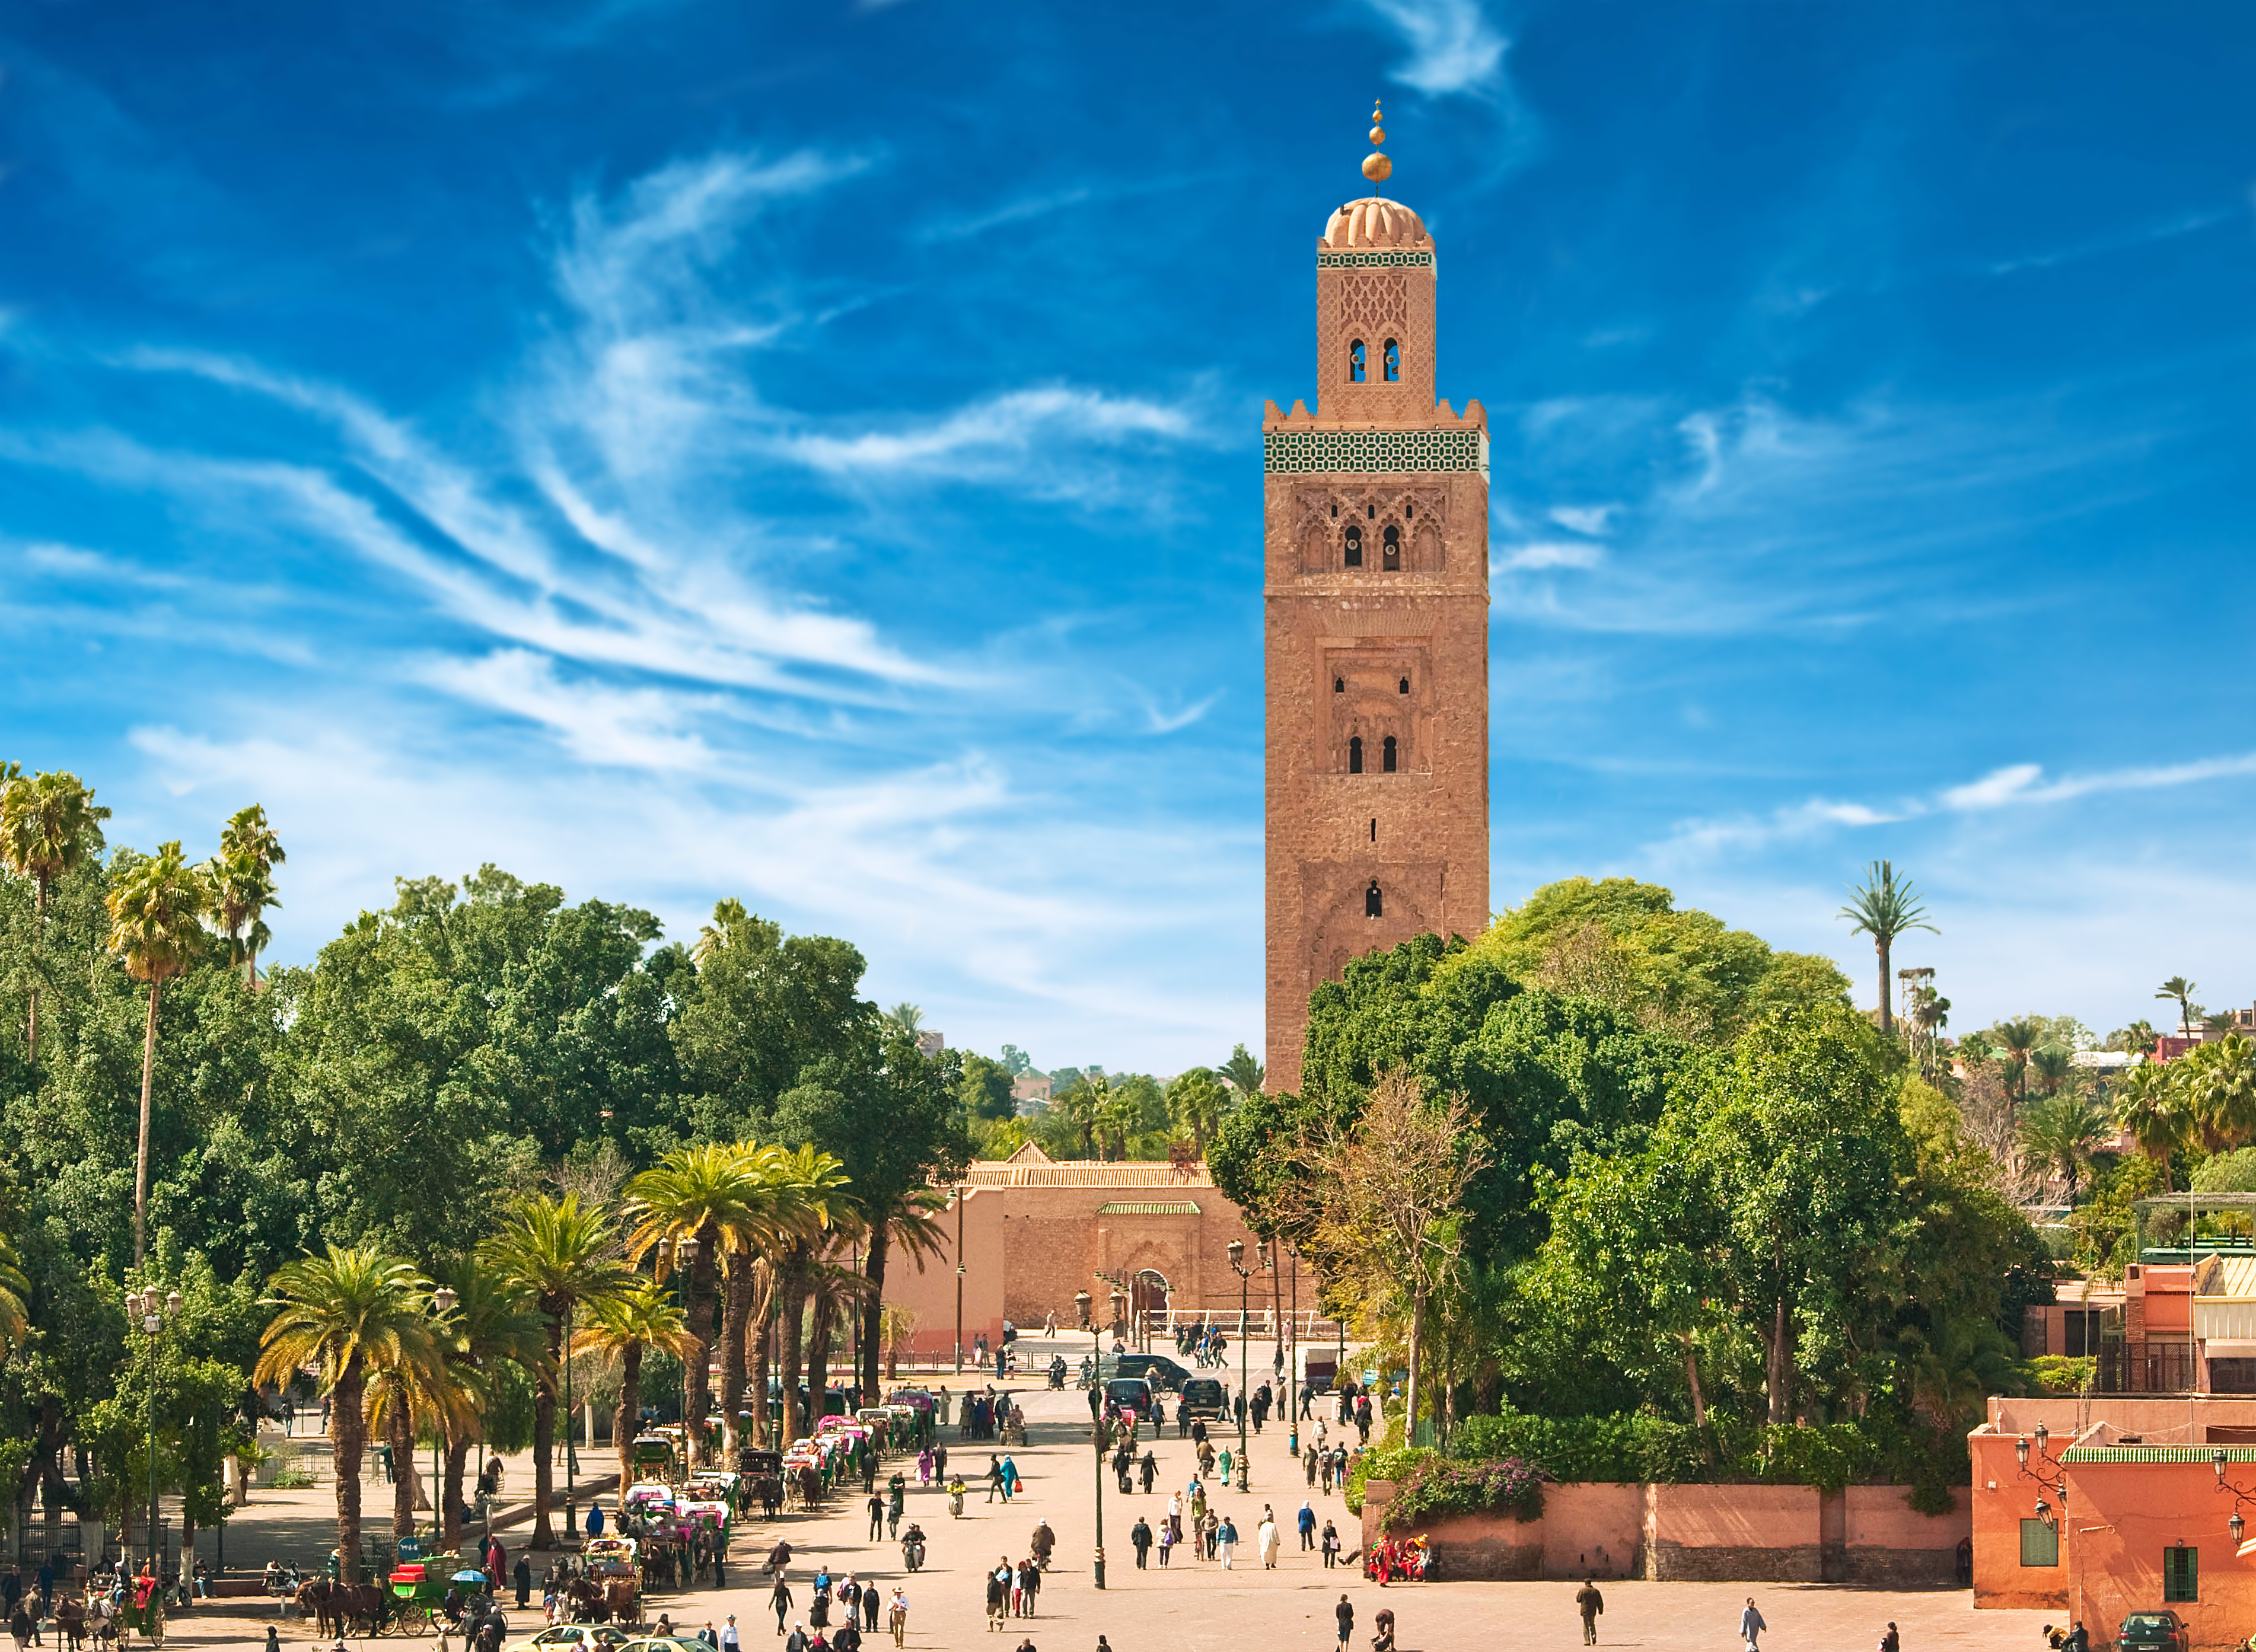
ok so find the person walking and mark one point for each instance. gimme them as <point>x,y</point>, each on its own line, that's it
<point>797,1641</point>
<point>1267,1541</point>
<point>1029,1585</point>
<point>1330,1545</point>
<point>1149,1470</point>
<point>998,1599</point>
<point>898,1615</point>
<point>1590,1603</point>
<point>779,1598</point>
<point>870,1607</point>
<point>1752,1625</point>
<point>1139,1536</point>
<point>995,1479</point>
<point>1344,1613</point>
<point>731,1640</point>
<point>1225,1541</point>
<point>1167,1544</point>
<point>1307,1522</point>
<point>877,1506</point>
<point>1892,1642</point>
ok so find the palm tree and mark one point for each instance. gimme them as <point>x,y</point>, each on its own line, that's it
<point>643,1317</point>
<point>156,910</point>
<point>1243,1070</point>
<point>2220,1088</point>
<point>2179,988</point>
<point>242,878</point>
<point>2059,1133</point>
<point>709,1198</point>
<point>404,1398</point>
<point>906,1018</point>
<point>1198,1105</point>
<point>492,1324</point>
<point>910,1226</point>
<point>2053,1066</point>
<point>2150,1106</point>
<point>1884,909</point>
<point>564,1258</point>
<point>344,1313</point>
<point>49,824</point>
<point>2018,1040</point>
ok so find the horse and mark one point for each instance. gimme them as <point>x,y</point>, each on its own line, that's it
<point>313,1600</point>
<point>620,1600</point>
<point>70,1621</point>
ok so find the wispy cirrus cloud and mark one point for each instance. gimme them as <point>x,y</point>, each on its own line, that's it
<point>1453,47</point>
<point>2013,785</point>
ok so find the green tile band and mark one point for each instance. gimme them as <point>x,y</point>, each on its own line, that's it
<point>1391,260</point>
<point>1301,452</point>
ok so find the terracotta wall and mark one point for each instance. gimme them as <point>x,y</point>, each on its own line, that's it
<point>1756,1534</point>
<point>1714,1533</point>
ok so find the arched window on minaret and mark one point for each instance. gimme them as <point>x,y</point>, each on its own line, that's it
<point>1355,547</point>
<point>1354,754</point>
<point>1402,687</point>
<point>1391,549</point>
<point>1373,904</point>
<point>1356,372</point>
<point>1339,685</point>
<point>1393,359</point>
<point>1387,751</point>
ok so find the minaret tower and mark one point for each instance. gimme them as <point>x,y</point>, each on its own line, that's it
<point>1376,627</point>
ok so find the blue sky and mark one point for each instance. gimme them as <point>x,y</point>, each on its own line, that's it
<point>811,453</point>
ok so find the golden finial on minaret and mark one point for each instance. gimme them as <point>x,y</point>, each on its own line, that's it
<point>1376,166</point>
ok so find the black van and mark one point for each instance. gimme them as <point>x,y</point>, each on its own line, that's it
<point>1201,1398</point>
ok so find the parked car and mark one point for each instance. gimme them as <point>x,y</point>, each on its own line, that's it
<point>1165,1374</point>
<point>2152,1632</point>
<point>1202,1398</point>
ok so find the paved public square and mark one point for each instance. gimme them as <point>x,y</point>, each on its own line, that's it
<point>1192,1606</point>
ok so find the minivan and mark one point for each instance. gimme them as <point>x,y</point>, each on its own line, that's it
<point>1131,1394</point>
<point>1201,1398</point>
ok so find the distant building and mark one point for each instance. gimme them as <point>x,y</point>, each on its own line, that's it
<point>2106,1060</point>
<point>1030,1086</point>
<point>931,1042</point>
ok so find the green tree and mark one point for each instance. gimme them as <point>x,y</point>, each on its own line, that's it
<point>1885,910</point>
<point>565,1259</point>
<point>240,877</point>
<point>156,910</point>
<point>759,1007</point>
<point>49,824</point>
<point>488,1338</point>
<point>345,1313</point>
<point>2054,1067</point>
<point>985,1091</point>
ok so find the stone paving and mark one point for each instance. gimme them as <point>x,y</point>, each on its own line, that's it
<point>1200,1607</point>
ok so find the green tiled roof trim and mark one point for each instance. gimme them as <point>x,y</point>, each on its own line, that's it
<point>1134,1207</point>
<point>1394,260</point>
<point>1302,452</point>
<point>2157,1453</point>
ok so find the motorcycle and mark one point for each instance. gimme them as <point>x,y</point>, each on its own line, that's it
<point>956,1499</point>
<point>281,1579</point>
<point>912,1549</point>
<point>1057,1373</point>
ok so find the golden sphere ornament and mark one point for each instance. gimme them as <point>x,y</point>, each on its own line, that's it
<point>1376,167</point>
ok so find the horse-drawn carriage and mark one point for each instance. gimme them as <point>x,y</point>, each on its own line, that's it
<point>142,1611</point>
<point>760,1478</point>
<point>658,1456</point>
<point>419,1597</point>
<point>609,1587</point>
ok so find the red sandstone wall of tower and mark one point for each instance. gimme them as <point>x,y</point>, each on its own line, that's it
<point>1396,649</point>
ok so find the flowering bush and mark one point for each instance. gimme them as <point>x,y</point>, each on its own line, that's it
<point>1439,1485</point>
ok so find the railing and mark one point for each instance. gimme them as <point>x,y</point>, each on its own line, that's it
<point>2165,1370</point>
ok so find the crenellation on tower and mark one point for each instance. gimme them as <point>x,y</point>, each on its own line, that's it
<point>1375,629</point>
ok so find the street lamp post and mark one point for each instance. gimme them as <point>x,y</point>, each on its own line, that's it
<point>149,1312</point>
<point>959,1278</point>
<point>444,1300</point>
<point>1294,1382</point>
<point>685,1258</point>
<point>1245,1291</point>
<point>1100,1435</point>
